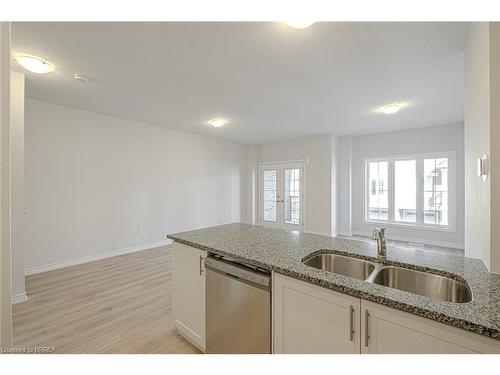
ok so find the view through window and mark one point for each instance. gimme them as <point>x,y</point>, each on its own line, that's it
<point>409,190</point>
<point>378,196</point>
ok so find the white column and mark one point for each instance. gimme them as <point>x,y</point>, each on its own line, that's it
<point>252,184</point>
<point>482,136</point>
<point>344,185</point>
<point>477,138</point>
<point>5,278</point>
<point>17,185</point>
<point>335,171</point>
<point>495,145</point>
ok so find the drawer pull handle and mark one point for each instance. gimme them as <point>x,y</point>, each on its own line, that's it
<point>367,334</point>
<point>351,323</point>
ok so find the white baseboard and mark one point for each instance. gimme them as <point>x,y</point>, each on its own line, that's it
<point>92,258</point>
<point>415,241</point>
<point>190,335</point>
<point>318,233</point>
<point>19,297</point>
<point>452,245</point>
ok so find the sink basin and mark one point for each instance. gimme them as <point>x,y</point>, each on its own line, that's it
<point>424,284</point>
<point>356,268</point>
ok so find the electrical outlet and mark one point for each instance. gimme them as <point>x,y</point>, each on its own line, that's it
<point>140,230</point>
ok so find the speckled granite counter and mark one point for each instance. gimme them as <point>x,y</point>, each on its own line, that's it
<point>282,251</point>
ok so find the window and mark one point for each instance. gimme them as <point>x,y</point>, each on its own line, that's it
<point>436,191</point>
<point>405,191</point>
<point>378,201</point>
<point>411,190</point>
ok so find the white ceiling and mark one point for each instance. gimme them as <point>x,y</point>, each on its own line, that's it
<point>272,82</point>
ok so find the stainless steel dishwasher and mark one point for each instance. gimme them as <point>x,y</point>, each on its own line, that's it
<point>238,307</point>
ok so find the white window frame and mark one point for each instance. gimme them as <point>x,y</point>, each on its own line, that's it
<point>452,203</point>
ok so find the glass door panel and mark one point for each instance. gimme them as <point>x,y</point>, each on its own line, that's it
<point>270,196</point>
<point>292,202</point>
<point>281,195</point>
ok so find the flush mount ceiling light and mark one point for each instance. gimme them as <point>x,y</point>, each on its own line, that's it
<point>389,109</point>
<point>80,78</point>
<point>34,64</point>
<point>299,24</point>
<point>217,122</point>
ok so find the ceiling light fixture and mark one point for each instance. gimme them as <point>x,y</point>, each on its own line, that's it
<point>217,122</point>
<point>80,78</point>
<point>34,64</point>
<point>299,24</point>
<point>390,109</point>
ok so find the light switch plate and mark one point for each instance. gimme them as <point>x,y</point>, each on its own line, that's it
<point>482,167</point>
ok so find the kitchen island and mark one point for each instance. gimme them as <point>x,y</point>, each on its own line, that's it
<point>282,252</point>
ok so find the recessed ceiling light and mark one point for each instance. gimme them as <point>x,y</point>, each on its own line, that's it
<point>389,109</point>
<point>299,24</point>
<point>80,78</point>
<point>34,64</point>
<point>217,122</point>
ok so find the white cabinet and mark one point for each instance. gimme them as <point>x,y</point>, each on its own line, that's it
<point>388,331</point>
<point>311,319</point>
<point>189,293</point>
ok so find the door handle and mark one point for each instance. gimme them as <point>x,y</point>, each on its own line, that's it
<point>367,331</point>
<point>351,323</point>
<point>201,264</point>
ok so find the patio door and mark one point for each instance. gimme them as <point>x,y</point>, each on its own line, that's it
<point>282,195</point>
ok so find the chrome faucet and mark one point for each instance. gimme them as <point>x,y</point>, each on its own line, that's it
<point>379,235</point>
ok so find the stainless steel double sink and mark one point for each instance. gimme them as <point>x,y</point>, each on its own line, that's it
<point>417,282</point>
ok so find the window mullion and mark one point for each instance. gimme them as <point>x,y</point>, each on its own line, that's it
<point>367,189</point>
<point>391,195</point>
<point>420,191</point>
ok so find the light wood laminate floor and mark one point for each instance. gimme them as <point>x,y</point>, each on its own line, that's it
<point>116,305</point>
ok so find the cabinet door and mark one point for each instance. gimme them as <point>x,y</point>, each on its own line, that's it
<point>388,331</point>
<point>311,319</point>
<point>189,293</point>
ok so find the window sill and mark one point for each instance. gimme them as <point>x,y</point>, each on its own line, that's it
<point>393,224</point>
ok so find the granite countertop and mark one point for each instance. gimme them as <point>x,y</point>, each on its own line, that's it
<point>281,251</point>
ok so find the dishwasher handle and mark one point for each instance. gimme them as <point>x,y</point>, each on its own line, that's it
<point>239,271</point>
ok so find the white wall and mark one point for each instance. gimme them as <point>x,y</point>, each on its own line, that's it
<point>431,139</point>
<point>252,184</point>
<point>344,185</point>
<point>477,140</point>
<point>334,162</point>
<point>482,135</point>
<point>495,145</point>
<point>93,180</point>
<point>5,254</point>
<point>17,185</point>
<point>318,176</point>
